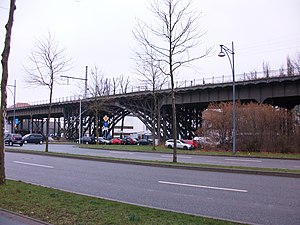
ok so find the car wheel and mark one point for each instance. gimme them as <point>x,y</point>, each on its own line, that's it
<point>169,146</point>
<point>11,144</point>
<point>86,142</point>
<point>41,142</point>
<point>184,148</point>
<point>21,145</point>
<point>25,142</point>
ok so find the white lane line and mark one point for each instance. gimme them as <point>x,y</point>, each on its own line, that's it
<point>126,153</point>
<point>33,164</point>
<point>184,157</point>
<point>181,157</point>
<point>201,186</point>
<point>243,160</point>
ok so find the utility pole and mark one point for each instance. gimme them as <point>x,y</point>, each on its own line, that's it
<point>80,101</point>
<point>86,88</point>
<point>14,94</point>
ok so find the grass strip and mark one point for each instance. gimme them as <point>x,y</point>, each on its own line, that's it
<point>163,149</point>
<point>59,207</point>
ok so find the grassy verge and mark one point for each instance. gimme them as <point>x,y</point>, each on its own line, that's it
<point>58,207</point>
<point>195,152</point>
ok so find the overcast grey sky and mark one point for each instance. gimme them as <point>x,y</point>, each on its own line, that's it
<point>98,32</point>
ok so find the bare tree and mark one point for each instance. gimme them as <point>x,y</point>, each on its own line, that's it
<point>99,88</point>
<point>282,71</point>
<point>289,66</point>
<point>123,83</point>
<point>296,63</point>
<point>49,62</point>
<point>266,69</point>
<point>4,62</point>
<point>115,85</point>
<point>174,33</point>
<point>152,75</point>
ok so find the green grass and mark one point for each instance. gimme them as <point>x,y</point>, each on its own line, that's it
<point>148,148</point>
<point>58,207</point>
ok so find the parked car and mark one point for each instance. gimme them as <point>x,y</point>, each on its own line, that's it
<point>86,140</point>
<point>194,143</point>
<point>206,141</point>
<point>102,140</point>
<point>11,139</point>
<point>179,144</point>
<point>116,141</point>
<point>143,142</point>
<point>130,141</point>
<point>33,138</point>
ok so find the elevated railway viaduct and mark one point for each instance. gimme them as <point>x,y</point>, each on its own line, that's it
<point>190,102</point>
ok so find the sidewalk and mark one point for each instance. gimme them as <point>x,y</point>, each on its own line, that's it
<point>11,218</point>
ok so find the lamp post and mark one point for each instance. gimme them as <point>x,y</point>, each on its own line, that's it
<point>222,54</point>
<point>80,101</point>
<point>14,94</point>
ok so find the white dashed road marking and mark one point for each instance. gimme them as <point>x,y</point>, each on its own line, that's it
<point>33,164</point>
<point>201,186</point>
<point>243,160</point>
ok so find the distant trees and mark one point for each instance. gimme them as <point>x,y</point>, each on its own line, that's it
<point>292,66</point>
<point>296,62</point>
<point>266,69</point>
<point>171,38</point>
<point>260,127</point>
<point>48,63</point>
<point>4,63</point>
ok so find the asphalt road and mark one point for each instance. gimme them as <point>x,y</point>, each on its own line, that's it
<point>252,199</point>
<point>212,160</point>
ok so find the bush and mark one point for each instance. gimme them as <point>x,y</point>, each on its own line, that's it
<point>259,127</point>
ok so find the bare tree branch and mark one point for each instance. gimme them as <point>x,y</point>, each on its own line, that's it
<point>169,40</point>
<point>48,63</point>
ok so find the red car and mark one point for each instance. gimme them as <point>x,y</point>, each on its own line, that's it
<point>194,143</point>
<point>116,141</point>
<point>130,141</point>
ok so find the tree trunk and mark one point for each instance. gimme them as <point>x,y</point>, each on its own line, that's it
<point>48,121</point>
<point>96,125</point>
<point>122,124</point>
<point>174,125</point>
<point>154,117</point>
<point>4,62</point>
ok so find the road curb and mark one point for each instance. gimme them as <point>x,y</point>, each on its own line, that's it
<point>164,165</point>
<point>195,154</point>
<point>17,218</point>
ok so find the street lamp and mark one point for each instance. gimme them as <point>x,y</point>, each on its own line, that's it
<point>14,94</point>
<point>80,104</point>
<point>228,51</point>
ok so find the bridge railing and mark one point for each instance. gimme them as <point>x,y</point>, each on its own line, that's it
<point>181,84</point>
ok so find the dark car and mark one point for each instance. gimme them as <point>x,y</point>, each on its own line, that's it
<point>33,138</point>
<point>11,139</point>
<point>130,141</point>
<point>87,140</point>
<point>144,142</point>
